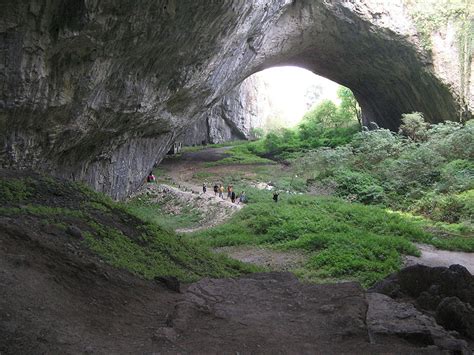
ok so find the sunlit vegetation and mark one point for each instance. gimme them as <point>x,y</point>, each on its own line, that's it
<point>425,171</point>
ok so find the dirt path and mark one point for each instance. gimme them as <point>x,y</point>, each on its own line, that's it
<point>272,259</point>
<point>430,256</point>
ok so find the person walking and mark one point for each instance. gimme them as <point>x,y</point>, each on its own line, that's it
<point>275,196</point>
<point>216,189</point>
<point>242,198</point>
<point>232,196</point>
<point>204,188</point>
<point>221,192</point>
<point>229,190</point>
<point>150,177</point>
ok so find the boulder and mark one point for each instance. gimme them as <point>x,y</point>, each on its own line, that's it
<point>391,321</point>
<point>447,292</point>
<point>454,314</point>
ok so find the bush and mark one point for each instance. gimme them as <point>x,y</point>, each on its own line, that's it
<point>373,147</point>
<point>358,186</point>
<point>446,208</point>
<point>456,176</point>
<point>414,127</point>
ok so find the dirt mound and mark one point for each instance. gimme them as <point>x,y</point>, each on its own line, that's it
<point>56,297</point>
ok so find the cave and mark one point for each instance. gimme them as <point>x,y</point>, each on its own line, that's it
<point>99,91</point>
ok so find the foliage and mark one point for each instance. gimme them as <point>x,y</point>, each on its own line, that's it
<point>240,154</point>
<point>451,208</point>
<point>256,133</point>
<point>349,108</point>
<point>358,186</point>
<point>381,167</point>
<point>14,190</point>
<point>326,125</point>
<point>342,239</point>
<point>158,252</point>
<point>414,126</point>
<point>111,229</point>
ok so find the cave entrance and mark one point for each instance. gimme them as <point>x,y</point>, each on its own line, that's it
<point>284,96</point>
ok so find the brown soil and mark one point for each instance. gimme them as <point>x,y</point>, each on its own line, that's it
<point>58,298</point>
<point>272,259</point>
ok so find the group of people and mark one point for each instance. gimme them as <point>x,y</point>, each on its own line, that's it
<point>219,190</point>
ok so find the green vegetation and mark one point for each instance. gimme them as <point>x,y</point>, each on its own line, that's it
<point>326,125</point>
<point>159,252</point>
<point>14,190</point>
<point>425,172</point>
<point>428,171</point>
<point>343,240</point>
<point>154,212</point>
<point>112,230</point>
<point>241,154</point>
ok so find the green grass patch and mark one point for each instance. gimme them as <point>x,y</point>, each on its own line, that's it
<point>241,155</point>
<point>122,236</point>
<point>161,252</point>
<point>14,190</point>
<point>153,212</point>
<point>343,240</point>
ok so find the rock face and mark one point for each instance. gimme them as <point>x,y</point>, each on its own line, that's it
<point>232,117</point>
<point>403,323</point>
<point>446,292</point>
<point>98,91</point>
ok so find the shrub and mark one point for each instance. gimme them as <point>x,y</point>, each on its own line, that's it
<point>358,186</point>
<point>446,208</point>
<point>414,126</point>
<point>373,147</point>
<point>456,176</point>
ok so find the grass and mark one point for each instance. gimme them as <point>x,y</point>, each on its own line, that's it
<point>117,233</point>
<point>153,212</point>
<point>160,252</point>
<point>240,154</point>
<point>343,240</point>
<point>14,190</point>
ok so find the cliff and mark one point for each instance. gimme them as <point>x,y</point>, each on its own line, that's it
<point>98,91</point>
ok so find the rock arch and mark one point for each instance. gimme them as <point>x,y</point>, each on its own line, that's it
<point>98,90</point>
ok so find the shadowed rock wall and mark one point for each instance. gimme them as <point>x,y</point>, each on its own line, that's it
<point>98,90</point>
<point>232,117</point>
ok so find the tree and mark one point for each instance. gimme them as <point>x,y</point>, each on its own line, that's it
<point>322,116</point>
<point>349,107</point>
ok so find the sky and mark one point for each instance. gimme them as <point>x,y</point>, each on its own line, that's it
<point>287,88</point>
